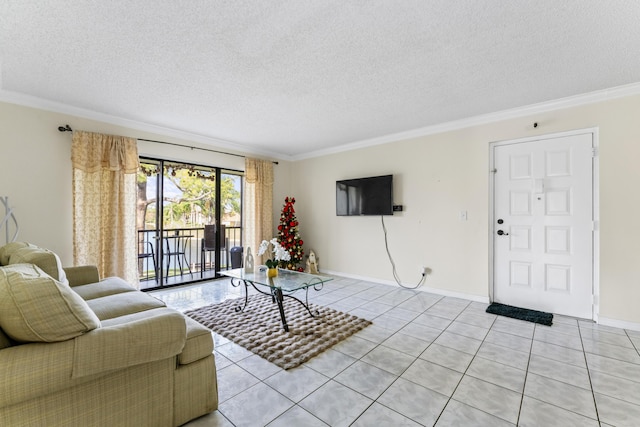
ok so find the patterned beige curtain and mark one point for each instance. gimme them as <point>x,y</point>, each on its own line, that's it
<point>258,203</point>
<point>104,203</point>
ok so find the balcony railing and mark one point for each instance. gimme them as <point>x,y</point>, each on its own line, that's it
<point>184,260</point>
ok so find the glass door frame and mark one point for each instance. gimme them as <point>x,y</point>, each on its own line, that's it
<point>160,249</point>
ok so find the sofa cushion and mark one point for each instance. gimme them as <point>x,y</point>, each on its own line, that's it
<point>122,304</point>
<point>199,343</point>
<point>103,288</point>
<point>134,317</point>
<point>82,275</point>
<point>8,249</point>
<point>36,308</point>
<point>43,258</point>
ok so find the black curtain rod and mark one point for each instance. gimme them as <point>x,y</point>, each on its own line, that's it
<point>188,146</point>
<point>67,128</point>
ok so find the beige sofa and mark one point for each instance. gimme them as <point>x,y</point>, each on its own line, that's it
<point>79,351</point>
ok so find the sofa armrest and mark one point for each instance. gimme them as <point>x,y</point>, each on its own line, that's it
<point>160,336</point>
<point>82,275</point>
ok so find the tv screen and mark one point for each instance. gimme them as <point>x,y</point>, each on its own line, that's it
<point>365,196</point>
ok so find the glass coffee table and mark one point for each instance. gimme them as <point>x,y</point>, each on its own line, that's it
<point>284,285</point>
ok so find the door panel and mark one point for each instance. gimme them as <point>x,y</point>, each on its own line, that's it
<point>543,247</point>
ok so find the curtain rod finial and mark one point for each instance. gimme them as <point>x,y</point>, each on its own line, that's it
<point>65,128</point>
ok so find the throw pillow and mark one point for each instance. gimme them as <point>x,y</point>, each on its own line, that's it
<point>47,260</point>
<point>8,249</point>
<point>36,308</point>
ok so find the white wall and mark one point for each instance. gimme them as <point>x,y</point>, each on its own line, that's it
<point>35,172</point>
<point>437,176</point>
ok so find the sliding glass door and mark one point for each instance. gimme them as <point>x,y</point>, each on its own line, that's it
<point>189,221</point>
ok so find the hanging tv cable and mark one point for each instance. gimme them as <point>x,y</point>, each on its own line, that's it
<point>393,264</point>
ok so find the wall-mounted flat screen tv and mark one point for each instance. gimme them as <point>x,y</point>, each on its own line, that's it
<point>365,196</point>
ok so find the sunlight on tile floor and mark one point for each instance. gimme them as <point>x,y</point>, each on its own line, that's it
<point>428,360</point>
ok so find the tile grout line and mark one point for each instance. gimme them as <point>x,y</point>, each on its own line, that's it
<point>637,348</point>
<point>359,359</point>
<point>397,376</point>
<point>584,353</point>
<point>474,357</point>
<point>329,378</point>
<point>263,382</point>
<point>526,373</point>
<point>586,362</point>
<point>466,369</point>
<point>416,358</point>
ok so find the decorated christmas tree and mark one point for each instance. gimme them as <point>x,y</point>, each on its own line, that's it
<point>288,236</point>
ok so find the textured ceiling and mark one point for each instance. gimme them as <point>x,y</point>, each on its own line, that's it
<point>296,77</point>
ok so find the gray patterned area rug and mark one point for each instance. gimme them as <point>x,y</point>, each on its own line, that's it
<point>259,329</point>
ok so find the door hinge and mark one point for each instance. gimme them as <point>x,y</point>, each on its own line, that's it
<point>494,170</point>
<point>594,151</point>
<point>594,225</point>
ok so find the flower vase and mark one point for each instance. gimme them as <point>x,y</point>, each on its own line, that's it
<point>272,272</point>
<point>248,262</point>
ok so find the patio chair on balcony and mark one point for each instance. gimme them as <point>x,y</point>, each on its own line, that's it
<point>176,251</point>
<point>209,245</point>
<point>147,253</point>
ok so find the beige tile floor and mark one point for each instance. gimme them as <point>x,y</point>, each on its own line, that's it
<point>428,360</point>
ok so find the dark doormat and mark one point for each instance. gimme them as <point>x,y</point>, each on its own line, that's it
<point>521,313</point>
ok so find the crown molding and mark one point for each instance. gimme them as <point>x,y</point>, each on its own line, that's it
<point>558,104</point>
<point>56,107</point>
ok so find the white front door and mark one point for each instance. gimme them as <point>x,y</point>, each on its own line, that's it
<point>543,225</point>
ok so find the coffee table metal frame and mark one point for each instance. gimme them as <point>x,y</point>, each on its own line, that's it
<point>283,285</point>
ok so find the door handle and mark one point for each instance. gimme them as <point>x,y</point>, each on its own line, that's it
<point>502,233</point>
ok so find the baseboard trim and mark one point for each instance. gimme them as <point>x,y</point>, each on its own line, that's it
<point>622,324</point>
<point>437,291</point>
